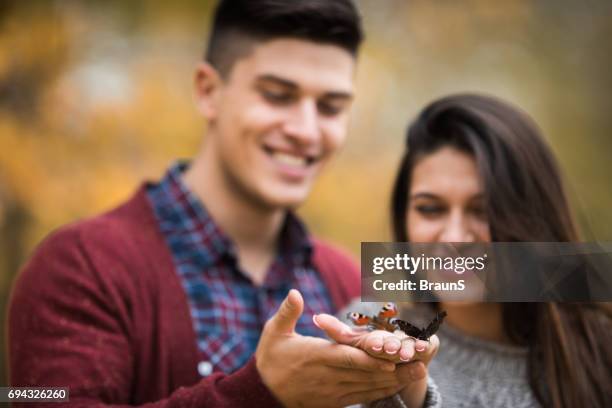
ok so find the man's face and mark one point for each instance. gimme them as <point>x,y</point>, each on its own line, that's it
<point>279,117</point>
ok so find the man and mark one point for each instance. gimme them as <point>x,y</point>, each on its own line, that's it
<point>170,299</point>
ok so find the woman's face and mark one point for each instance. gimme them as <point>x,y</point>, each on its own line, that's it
<point>446,199</point>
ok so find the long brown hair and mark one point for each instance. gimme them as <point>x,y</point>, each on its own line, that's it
<point>570,354</point>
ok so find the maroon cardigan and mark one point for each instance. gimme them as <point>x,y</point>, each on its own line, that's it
<point>100,309</point>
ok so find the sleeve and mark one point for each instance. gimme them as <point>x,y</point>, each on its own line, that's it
<point>433,398</point>
<point>65,331</point>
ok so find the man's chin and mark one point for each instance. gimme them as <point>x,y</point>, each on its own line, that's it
<point>288,200</point>
<point>287,203</point>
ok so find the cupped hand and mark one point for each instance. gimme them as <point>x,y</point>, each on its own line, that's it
<point>313,372</point>
<point>394,347</point>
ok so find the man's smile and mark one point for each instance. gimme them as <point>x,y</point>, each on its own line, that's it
<point>290,157</point>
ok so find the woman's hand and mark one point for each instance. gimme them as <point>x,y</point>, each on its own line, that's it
<point>406,351</point>
<point>395,347</point>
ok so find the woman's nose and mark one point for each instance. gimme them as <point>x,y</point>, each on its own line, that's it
<point>457,229</point>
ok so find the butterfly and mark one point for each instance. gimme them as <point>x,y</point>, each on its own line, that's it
<point>421,334</point>
<point>381,321</point>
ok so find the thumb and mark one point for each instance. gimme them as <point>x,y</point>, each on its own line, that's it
<point>288,313</point>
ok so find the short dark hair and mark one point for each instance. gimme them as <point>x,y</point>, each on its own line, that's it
<point>239,24</point>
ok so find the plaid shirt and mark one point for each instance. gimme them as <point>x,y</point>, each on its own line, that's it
<point>227,309</point>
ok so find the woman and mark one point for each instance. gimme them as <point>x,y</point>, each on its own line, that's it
<point>476,169</point>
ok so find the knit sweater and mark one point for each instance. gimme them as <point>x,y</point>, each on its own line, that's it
<point>471,372</point>
<point>100,309</point>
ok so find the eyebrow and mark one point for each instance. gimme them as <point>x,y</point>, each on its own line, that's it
<point>424,195</point>
<point>294,86</point>
<point>436,197</point>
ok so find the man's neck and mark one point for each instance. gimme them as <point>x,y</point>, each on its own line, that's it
<point>254,229</point>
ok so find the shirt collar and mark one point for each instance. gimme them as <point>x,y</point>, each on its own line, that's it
<point>179,207</point>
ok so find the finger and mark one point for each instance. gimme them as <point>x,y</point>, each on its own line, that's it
<point>421,345</point>
<point>374,342</point>
<point>343,356</point>
<point>407,351</point>
<point>352,387</point>
<point>368,396</point>
<point>337,330</point>
<point>393,358</point>
<point>392,345</point>
<point>346,375</point>
<point>285,319</point>
<point>411,372</point>
<point>428,353</point>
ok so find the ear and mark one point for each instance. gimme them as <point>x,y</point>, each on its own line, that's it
<point>207,83</point>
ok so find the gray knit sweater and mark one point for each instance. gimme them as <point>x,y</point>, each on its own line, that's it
<point>467,372</point>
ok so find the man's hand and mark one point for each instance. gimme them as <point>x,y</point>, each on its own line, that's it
<point>311,372</point>
<point>393,347</point>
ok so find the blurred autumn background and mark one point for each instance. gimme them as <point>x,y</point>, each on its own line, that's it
<point>96,96</point>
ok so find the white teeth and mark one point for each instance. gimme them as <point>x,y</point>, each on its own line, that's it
<point>289,159</point>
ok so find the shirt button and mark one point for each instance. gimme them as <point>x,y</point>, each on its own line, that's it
<point>205,368</point>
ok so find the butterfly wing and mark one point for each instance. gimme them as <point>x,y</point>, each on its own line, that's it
<point>359,319</point>
<point>382,324</point>
<point>408,328</point>
<point>381,321</point>
<point>433,327</point>
<point>388,311</point>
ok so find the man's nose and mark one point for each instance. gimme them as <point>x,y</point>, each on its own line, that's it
<point>457,229</point>
<point>302,122</point>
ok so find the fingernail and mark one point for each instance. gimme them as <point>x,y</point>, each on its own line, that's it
<point>314,320</point>
<point>420,348</point>
<point>404,358</point>
<point>376,348</point>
